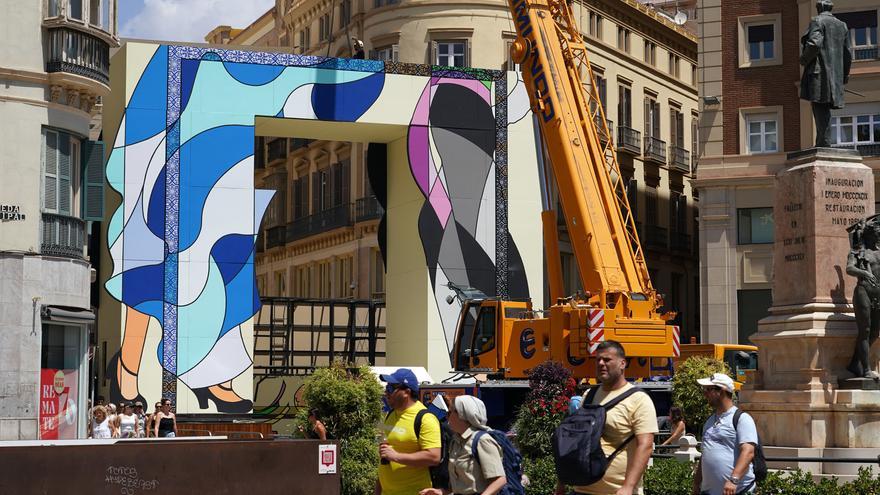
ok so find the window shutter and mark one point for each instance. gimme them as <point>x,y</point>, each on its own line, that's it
<point>316,193</point>
<point>64,174</point>
<point>50,172</point>
<point>467,53</point>
<point>434,49</point>
<point>648,127</point>
<point>395,53</point>
<point>93,181</point>
<point>346,181</point>
<point>336,183</point>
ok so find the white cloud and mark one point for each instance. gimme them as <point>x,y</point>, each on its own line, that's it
<point>191,20</point>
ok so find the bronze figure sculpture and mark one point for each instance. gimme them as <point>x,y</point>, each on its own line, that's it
<point>864,263</point>
<point>826,57</point>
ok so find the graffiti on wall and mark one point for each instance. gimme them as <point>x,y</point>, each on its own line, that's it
<point>182,241</point>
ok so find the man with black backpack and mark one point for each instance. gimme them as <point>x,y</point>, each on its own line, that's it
<point>605,446</point>
<point>730,444</point>
<point>413,440</point>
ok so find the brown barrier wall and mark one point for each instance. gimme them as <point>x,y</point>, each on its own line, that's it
<point>168,467</point>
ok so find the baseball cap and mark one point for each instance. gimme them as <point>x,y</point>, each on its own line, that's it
<point>403,376</point>
<point>718,380</point>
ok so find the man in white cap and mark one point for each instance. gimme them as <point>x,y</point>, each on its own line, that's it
<point>725,467</point>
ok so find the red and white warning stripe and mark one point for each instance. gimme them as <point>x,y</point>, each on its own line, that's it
<point>676,341</point>
<point>597,328</point>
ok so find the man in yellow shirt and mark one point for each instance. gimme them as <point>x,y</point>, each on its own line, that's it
<point>406,455</point>
<point>635,416</point>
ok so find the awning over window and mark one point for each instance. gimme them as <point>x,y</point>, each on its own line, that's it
<point>67,315</point>
<point>857,20</point>
<point>758,34</point>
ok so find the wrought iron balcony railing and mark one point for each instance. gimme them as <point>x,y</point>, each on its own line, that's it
<point>332,218</point>
<point>655,149</point>
<point>865,53</point>
<point>602,136</point>
<point>367,208</point>
<point>656,237</point>
<point>629,140</point>
<point>62,236</point>
<point>680,159</point>
<point>276,236</point>
<point>78,53</point>
<point>870,149</point>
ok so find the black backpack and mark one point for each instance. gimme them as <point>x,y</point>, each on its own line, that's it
<point>577,442</point>
<point>759,463</point>
<point>440,472</point>
<point>511,459</point>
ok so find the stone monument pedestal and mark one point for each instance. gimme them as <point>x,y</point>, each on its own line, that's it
<point>808,339</point>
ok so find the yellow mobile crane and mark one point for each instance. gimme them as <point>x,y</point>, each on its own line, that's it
<point>507,338</point>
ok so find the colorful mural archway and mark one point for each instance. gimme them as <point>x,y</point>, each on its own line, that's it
<point>179,271</point>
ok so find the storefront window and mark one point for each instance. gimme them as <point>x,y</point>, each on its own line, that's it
<point>61,384</point>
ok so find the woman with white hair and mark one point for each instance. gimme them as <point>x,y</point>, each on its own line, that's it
<point>467,475</point>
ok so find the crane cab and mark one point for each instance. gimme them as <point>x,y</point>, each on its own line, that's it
<point>484,326</point>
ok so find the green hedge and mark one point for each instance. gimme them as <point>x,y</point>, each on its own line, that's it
<point>349,402</point>
<point>670,477</point>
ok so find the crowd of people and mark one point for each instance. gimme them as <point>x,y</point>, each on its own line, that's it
<point>411,442</point>
<point>129,420</point>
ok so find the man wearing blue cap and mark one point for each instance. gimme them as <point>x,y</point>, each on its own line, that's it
<point>406,454</point>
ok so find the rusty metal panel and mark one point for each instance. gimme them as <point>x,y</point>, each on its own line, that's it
<point>218,467</point>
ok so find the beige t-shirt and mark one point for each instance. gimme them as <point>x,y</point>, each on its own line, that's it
<point>635,415</point>
<point>466,475</point>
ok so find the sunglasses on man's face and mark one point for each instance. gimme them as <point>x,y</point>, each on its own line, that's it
<point>392,387</point>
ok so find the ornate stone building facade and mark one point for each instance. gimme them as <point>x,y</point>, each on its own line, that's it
<point>54,69</point>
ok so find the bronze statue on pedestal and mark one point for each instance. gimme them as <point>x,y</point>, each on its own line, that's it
<point>864,263</point>
<point>826,57</point>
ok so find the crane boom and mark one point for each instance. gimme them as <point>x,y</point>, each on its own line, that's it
<point>554,59</point>
<point>508,338</point>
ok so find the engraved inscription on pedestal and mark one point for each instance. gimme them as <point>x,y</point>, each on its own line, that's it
<point>815,203</point>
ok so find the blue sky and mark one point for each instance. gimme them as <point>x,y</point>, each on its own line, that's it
<point>185,20</point>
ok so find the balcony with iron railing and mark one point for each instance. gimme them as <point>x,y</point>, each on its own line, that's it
<point>656,237</point>
<point>679,159</point>
<point>602,136</point>
<point>62,236</point>
<point>367,208</point>
<point>655,150</point>
<point>629,140</point>
<point>865,53</point>
<point>329,219</point>
<point>276,236</point>
<point>77,52</point>
<point>680,242</point>
<point>867,149</point>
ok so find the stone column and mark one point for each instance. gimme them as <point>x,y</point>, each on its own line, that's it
<point>808,338</point>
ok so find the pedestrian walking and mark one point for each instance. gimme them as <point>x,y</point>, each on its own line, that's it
<point>677,426</point>
<point>128,422</point>
<point>165,422</point>
<point>141,419</point>
<point>406,454</point>
<point>100,425</point>
<point>467,474</point>
<point>317,431</point>
<point>725,467</point>
<point>630,425</point>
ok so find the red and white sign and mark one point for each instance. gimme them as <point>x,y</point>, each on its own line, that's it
<point>326,459</point>
<point>58,411</point>
<point>597,328</point>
